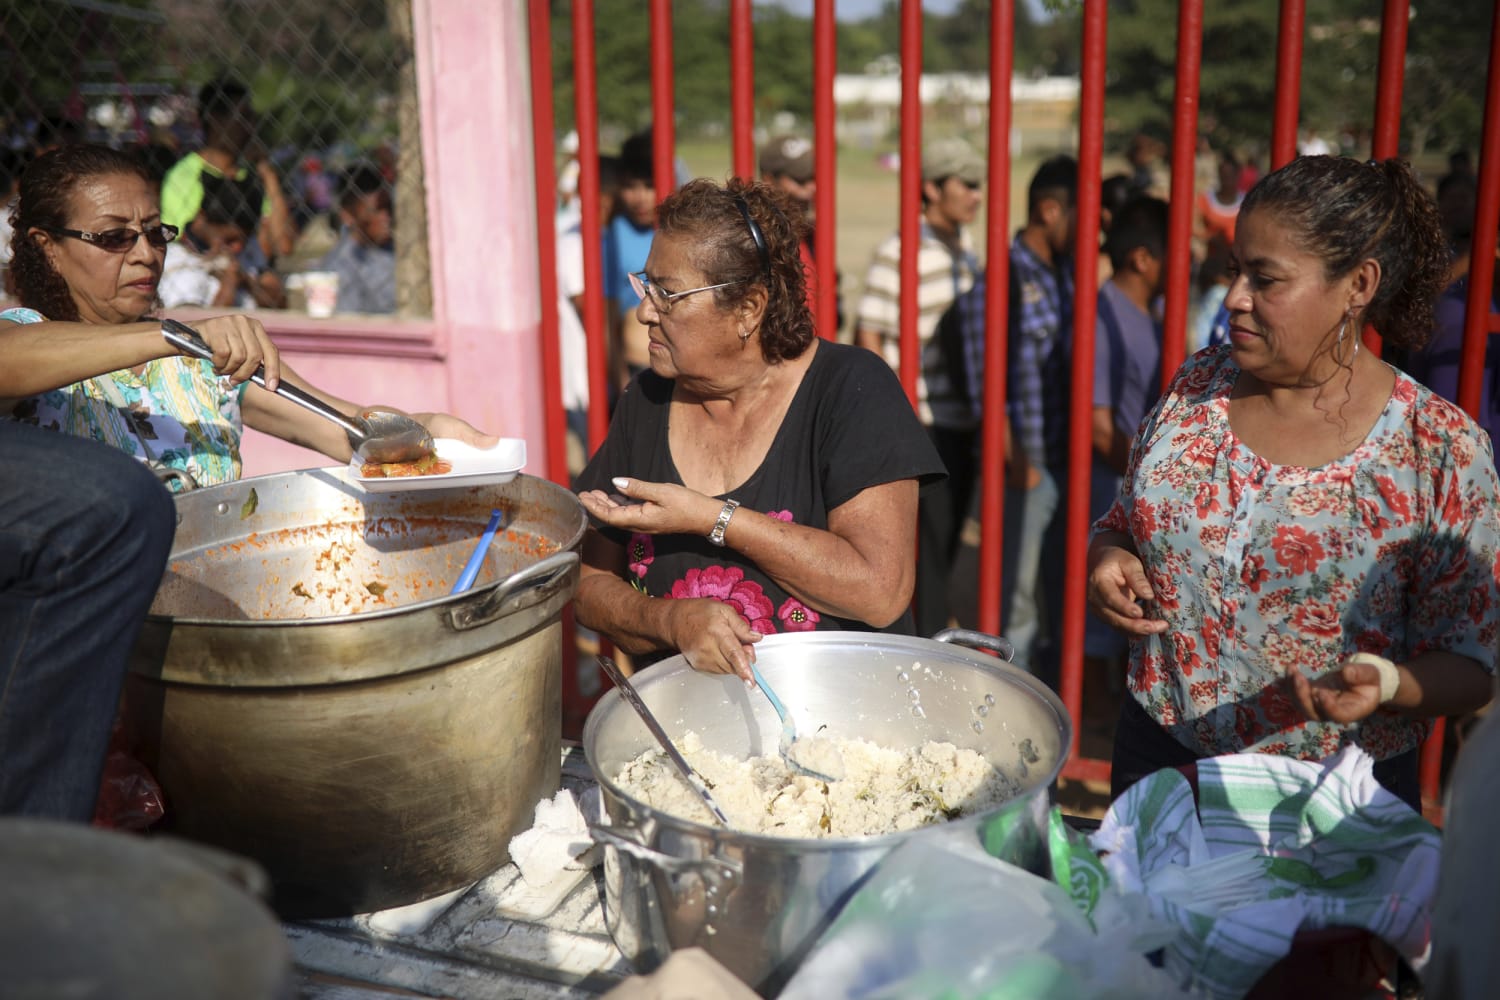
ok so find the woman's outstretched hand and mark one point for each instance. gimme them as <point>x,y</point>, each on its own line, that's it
<point>1116,585</point>
<point>446,425</point>
<point>1347,693</point>
<point>653,508</point>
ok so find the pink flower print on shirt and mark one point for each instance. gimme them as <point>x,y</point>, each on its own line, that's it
<point>728,584</point>
<point>641,551</point>
<point>780,515</point>
<point>797,617</point>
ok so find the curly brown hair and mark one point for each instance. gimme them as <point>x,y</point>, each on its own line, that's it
<point>726,251</point>
<point>1346,211</point>
<point>46,194</point>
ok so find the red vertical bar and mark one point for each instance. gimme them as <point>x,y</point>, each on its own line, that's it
<point>1476,325</point>
<point>825,168</point>
<point>1389,80</point>
<point>586,121</point>
<point>996,319</point>
<point>742,87</point>
<point>1085,308</point>
<point>539,27</point>
<point>663,104</point>
<point>911,188</point>
<point>1288,82</point>
<point>1180,212</point>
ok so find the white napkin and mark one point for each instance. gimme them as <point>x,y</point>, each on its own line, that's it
<point>557,841</point>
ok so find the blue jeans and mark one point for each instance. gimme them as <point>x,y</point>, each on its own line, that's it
<point>1029,514</point>
<point>85,531</point>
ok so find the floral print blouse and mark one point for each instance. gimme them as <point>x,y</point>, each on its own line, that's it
<point>1261,569</point>
<point>186,414</point>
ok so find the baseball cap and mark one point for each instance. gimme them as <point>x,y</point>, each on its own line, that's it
<point>788,156</point>
<point>952,158</point>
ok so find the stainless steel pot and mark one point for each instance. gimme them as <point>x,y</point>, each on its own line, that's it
<point>758,903</point>
<point>309,695</point>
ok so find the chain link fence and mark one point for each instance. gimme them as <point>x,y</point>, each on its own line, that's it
<point>331,87</point>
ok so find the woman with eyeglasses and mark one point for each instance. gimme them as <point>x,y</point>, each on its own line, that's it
<point>83,355</point>
<point>755,479</point>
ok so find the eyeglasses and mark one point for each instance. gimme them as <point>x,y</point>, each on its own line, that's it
<point>121,240</point>
<point>661,299</point>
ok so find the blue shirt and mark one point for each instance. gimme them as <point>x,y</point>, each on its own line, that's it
<point>1127,377</point>
<point>1041,319</point>
<point>625,249</point>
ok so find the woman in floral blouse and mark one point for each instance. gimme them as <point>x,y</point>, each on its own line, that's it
<point>89,359</point>
<point>755,479</point>
<point>1305,544</point>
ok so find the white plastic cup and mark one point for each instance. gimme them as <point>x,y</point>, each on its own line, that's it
<point>322,290</point>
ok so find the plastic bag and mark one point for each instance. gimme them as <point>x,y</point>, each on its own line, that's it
<point>941,918</point>
<point>129,797</point>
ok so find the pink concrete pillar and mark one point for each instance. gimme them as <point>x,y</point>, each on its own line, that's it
<point>476,138</point>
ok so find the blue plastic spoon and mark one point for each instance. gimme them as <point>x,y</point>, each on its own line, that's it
<point>788,730</point>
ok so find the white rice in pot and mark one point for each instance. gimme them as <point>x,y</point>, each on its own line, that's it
<point>882,791</point>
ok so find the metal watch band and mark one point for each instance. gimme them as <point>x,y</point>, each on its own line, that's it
<point>716,536</point>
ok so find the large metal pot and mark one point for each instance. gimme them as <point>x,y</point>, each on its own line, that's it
<point>758,903</point>
<point>309,695</point>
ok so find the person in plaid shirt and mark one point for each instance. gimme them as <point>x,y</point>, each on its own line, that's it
<point>1036,443</point>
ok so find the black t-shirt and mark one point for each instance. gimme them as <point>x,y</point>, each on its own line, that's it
<point>849,427</point>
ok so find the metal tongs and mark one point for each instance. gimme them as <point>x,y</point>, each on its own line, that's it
<point>694,779</point>
<point>375,435</point>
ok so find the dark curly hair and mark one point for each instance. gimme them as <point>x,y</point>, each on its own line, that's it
<point>46,194</point>
<point>1347,211</point>
<point>727,252</point>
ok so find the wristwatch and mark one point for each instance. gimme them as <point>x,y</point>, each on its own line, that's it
<point>716,536</point>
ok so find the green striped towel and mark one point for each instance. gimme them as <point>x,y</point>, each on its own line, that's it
<point>1338,850</point>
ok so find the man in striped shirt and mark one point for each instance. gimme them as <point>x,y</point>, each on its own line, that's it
<point>952,176</point>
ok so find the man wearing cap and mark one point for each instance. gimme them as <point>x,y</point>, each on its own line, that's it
<point>952,175</point>
<point>786,163</point>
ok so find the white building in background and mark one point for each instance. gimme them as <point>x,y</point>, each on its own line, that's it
<point>868,107</point>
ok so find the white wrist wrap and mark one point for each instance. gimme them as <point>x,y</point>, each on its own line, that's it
<point>1390,677</point>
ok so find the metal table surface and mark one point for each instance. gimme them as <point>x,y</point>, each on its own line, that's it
<point>486,943</point>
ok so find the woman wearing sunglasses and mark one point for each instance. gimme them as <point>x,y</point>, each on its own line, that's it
<point>81,355</point>
<point>755,479</point>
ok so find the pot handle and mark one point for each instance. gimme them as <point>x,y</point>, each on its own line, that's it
<point>998,645</point>
<point>718,870</point>
<point>537,576</point>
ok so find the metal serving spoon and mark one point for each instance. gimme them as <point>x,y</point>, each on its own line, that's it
<point>375,435</point>
<point>694,779</point>
<point>787,745</point>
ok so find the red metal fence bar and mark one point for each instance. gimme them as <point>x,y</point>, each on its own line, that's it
<point>911,188</point>
<point>1180,211</point>
<point>1085,308</point>
<point>586,122</point>
<point>1486,210</point>
<point>539,33</point>
<point>1288,82</point>
<point>825,168</point>
<point>1385,139</point>
<point>663,101</point>
<point>742,87</point>
<point>996,311</point>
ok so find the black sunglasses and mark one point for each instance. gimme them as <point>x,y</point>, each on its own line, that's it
<point>121,240</point>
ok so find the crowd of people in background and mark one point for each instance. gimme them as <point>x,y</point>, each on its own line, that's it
<point>252,227</point>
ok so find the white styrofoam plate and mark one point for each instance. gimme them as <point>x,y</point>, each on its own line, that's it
<point>471,467</point>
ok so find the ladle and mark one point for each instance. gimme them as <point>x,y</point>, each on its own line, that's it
<point>694,779</point>
<point>375,435</point>
<point>787,745</point>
